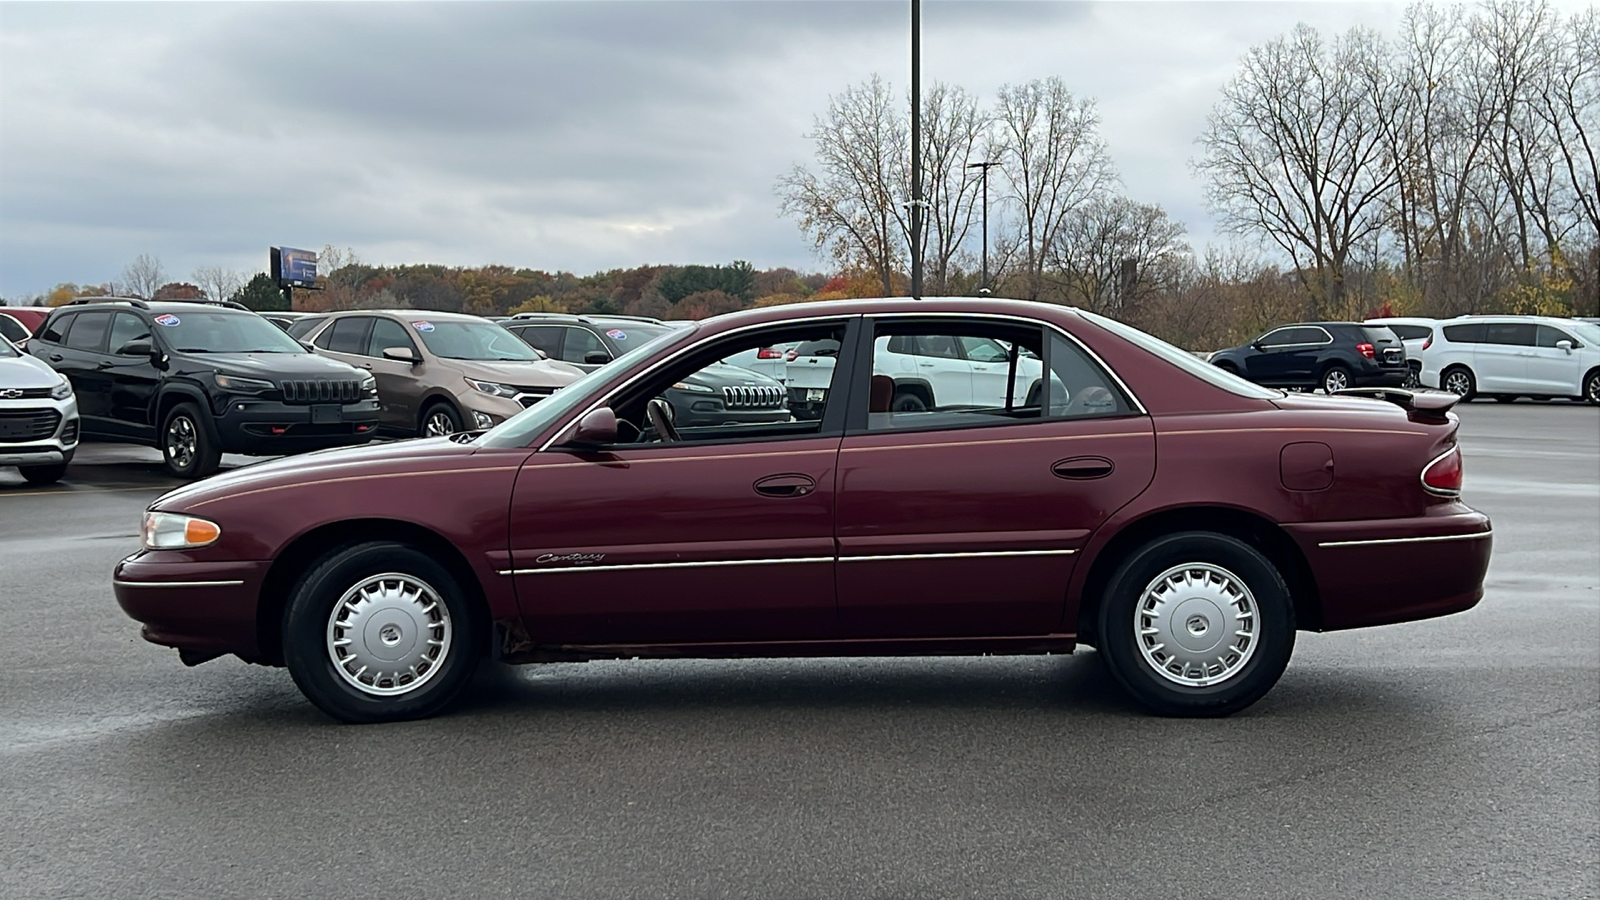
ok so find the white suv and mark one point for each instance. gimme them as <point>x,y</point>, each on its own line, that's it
<point>38,417</point>
<point>1506,357</point>
<point>1415,333</point>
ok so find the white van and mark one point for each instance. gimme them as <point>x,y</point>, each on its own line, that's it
<point>1415,332</point>
<point>1506,357</point>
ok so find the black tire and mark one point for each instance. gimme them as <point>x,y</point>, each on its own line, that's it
<point>436,416</point>
<point>1413,378</point>
<point>187,446</point>
<point>1505,398</point>
<point>430,682</point>
<point>1135,657</point>
<point>1458,380</point>
<point>908,401</point>
<point>1334,378</point>
<point>1591,388</point>
<point>41,475</point>
<point>1228,367</point>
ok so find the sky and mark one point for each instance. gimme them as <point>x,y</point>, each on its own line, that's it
<point>581,135</point>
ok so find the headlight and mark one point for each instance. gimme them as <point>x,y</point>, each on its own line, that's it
<point>61,391</point>
<point>493,389</point>
<point>696,388</point>
<point>243,385</point>
<point>369,386</point>
<point>172,531</point>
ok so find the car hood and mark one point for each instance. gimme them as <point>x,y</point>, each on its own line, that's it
<point>721,375</point>
<point>342,462</point>
<point>530,373</point>
<point>27,372</point>
<point>273,367</point>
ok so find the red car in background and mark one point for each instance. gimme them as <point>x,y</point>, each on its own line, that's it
<point>18,323</point>
<point>1180,519</point>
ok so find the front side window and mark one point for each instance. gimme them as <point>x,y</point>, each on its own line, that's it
<point>388,333</point>
<point>1548,337</point>
<point>580,343</point>
<point>124,328</point>
<point>544,338</point>
<point>1277,338</point>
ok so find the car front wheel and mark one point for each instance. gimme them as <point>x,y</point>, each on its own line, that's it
<point>1197,624</point>
<point>41,475</point>
<point>1337,378</point>
<point>1591,388</point>
<point>379,632</point>
<point>186,446</point>
<point>1459,381</point>
<point>440,420</point>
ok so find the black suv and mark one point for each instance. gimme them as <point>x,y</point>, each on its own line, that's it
<point>1328,355</point>
<point>196,380</point>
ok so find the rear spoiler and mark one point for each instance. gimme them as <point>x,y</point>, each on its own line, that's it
<point>1426,405</point>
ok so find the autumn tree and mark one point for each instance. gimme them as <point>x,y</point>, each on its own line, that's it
<point>143,276</point>
<point>178,290</point>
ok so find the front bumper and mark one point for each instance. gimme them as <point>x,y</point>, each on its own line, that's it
<point>271,427</point>
<point>204,606</point>
<point>44,450</point>
<point>1380,571</point>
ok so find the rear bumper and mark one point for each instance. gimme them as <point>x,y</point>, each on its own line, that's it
<point>1397,570</point>
<point>1379,376</point>
<point>209,606</point>
<point>251,427</point>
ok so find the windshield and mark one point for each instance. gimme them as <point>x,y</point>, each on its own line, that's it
<point>6,350</point>
<point>1588,332</point>
<point>1183,359</point>
<point>202,330</point>
<point>462,339</point>
<point>627,334</point>
<point>522,428</point>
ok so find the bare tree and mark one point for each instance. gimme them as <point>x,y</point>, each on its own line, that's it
<point>953,129</point>
<point>217,282</point>
<point>850,207</point>
<point>1052,157</point>
<point>143,276</point>
<point>1569,103</point>
<point>1116,253</point>
<point>1295,151</point>
<point>332,259</point>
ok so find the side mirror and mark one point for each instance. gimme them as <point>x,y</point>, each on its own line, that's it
<point>1255,345</point>
<point>596,429</point>
<point>401,354</point>
<point>1564,345</point>
<point>596,358</point>
<point>310,347</point>
<point>136,347</point>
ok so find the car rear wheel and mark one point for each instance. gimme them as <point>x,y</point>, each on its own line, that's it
<point>186,445</point>
<point>1413,378</point>
<point>45,474</point>
<point>906,401</point>
<point>440,420</point>
<point>1197,624</point>
<point>1337,378</point>
<point>379,632</point>
<point>1458,380</point>
<point>1505,398</point>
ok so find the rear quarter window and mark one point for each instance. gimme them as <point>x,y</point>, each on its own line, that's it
<point>1470,333</point>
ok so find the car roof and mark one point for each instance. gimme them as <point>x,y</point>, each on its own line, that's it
<point>1401,320</point>
<point>435,314</point>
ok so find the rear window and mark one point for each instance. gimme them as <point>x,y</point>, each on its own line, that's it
<point>1379,334</point>
<point>831,347</point>
<point>1412,332</point>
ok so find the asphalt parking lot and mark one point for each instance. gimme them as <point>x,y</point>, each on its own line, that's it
<point>1456,758</point>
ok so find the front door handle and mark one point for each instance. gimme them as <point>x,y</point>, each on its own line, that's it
<point>1083,468</point>
<point>785,485</point>
<point>55,357</point>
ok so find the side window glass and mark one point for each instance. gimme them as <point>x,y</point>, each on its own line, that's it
<point>544,339</point>
<point>1549,336</point>
<point>1275,338</point>
<point>12,329</point>
<point>1078,387</point>
<point>347,335</point>
<point>388,333</point>
<point>938,388</point>
<point>89,331</point>
<point>54,329</point>
<point>124,328</point>
<point>580,343</point>
<point>1518,334</point>
<point>1465,334</point>
<point>304,325</point>
<point>1312,335</point>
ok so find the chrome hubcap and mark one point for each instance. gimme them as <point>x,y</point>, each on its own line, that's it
<point>1335,381</point>
<point>389,634</point>
<point>181,442</point>
<point>1456,383</point>
<point>1196,625</point>
<point>1594,389</point>
<point>439,425</point>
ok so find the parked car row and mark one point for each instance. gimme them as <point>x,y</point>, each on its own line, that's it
<point>1505,357</point>
<point>1332,356</point>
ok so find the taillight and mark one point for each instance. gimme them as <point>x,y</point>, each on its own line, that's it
<point>791,356</point>
<point>1443,475</point>
<point>768,353</point>
<point>1427,343</point>
<point>1366,350</point>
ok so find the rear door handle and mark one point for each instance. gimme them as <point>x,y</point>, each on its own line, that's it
<point>785,485</point>
<point>55,357</point>
<point>1083,468</point>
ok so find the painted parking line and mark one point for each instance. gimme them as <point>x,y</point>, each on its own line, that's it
<point>69,492</point>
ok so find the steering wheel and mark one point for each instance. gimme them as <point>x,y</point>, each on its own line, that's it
<point>659,412</point>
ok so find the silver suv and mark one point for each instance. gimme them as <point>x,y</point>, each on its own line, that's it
<point>38,417</point>
<point>438,372</point>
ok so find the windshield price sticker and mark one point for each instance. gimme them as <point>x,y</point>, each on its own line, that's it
<point>617,334</point>
<point>167,319</point>
<point>422,326</point>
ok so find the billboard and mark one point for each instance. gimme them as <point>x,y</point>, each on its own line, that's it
<point>294,268</point>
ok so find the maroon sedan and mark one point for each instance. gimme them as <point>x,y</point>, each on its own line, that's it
<point>1060,479</point>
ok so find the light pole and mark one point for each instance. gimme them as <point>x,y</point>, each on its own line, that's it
<point>983,287</point>
<point>916,149</point>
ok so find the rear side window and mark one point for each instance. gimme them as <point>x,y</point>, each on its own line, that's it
<point>1472,333</point>
<point>1518,334</point>
<point>89,331</point>
<point>304,325</point>
<point>54,328</point>
<point>544,338</point>
<point>12,329</point>
<point>348,335</point>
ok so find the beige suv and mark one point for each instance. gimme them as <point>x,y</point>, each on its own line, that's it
<point>437,372</point>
